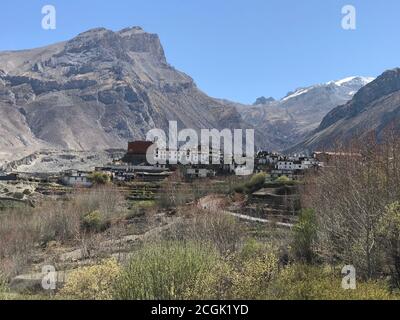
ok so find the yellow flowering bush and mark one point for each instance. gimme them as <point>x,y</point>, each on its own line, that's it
<point>254,277</point>
<point>305,282</point>
<point>216,284</point>
<point>92,283</point>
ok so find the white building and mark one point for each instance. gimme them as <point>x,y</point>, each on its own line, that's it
<point>189,156</point>
<point>199,172</point>
<point>76,178</point>
<point>294,164</point>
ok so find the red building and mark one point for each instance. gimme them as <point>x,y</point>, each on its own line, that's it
<point>136,153</point>
<point>139,147</point>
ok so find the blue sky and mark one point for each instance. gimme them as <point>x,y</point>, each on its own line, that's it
<point>233,49</point>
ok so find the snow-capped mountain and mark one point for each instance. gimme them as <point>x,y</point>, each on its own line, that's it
<point>375,107</point>
<point>301,111</point>
<point>104,88</point>
<point>348,86</point>
<point>355,81</point>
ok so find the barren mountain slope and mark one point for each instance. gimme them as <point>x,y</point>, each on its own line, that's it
<point>100,90</point>
<point>372,109</point>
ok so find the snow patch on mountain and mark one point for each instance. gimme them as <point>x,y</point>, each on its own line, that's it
<point>296,93</point>
<point>346,82</point>
<point>352,80</point>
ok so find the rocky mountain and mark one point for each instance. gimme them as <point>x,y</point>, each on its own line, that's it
<point>102,89</point>
<point>373,108</point>
<point>98,91</point>
<point>290,119</point>
<point>263,100</point>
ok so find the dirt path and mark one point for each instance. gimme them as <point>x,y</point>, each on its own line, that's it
<point>216,204</point>
<point>253,219</point>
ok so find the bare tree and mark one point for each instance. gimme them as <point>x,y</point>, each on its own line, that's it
<point>350,195</point>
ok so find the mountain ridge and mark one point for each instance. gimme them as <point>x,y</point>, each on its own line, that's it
<point>103,88</point>
<point>372,109</point>
<point>300,112</point>
<point>99,90</point>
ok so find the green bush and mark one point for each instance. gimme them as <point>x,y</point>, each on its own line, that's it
<point>99,178</point>
<point>305,234</point>
<point>254,274</point>
<point>139,209</point>
<point>283,179</point>
<point>246,274</point>
<point>305,282</point>
<point>18,195</point>
<point>94,222</point>
<point>255,183</point>
<point>251,249</point>
<point>240,188</point>
<point>168,270</point>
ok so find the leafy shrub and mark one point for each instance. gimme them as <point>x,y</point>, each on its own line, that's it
<point>246,274</point>
<point>92,283</point>
<point>305,234</point>
<point>168,270</point>
<point>251,249</point>
<point>283,179</point>
<point>256,182</point>
<point>255,274</point>
<point>214,285</point>
<point>240,188</point>
<point>94,222</point>
<point>305,282</point>
<point>99,178</point>
<point>18,195</point>
<point>139,209</point>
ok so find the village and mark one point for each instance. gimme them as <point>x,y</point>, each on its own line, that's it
<point>130,173</point>
<point>270,196</point>
<point>106,208</point>
<point>134,166</point>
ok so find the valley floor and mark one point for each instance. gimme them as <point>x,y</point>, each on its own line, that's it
<point>202,238</point>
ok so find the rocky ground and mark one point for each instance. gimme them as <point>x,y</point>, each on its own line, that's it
<point>49,161</point>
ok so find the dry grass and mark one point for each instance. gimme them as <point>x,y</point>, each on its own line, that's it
<point>24,231</point>
<point>218,229</point>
